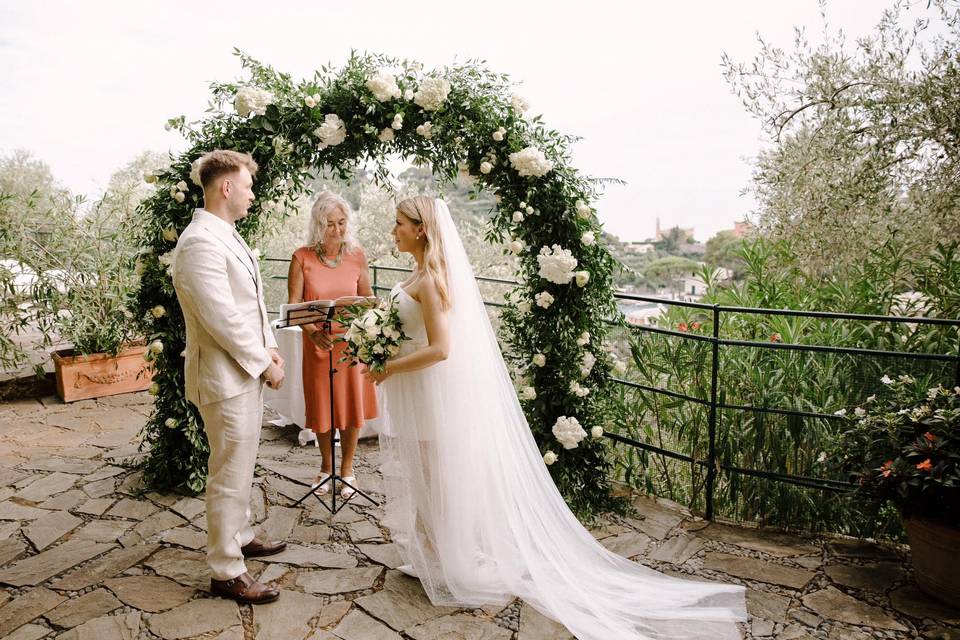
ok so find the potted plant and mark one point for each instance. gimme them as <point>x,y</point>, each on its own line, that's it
<point>903,446</point>
<point>84,274</point>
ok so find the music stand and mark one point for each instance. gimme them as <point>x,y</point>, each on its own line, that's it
<point>324,312</point>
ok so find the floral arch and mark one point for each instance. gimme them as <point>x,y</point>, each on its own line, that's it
<point>460,118</point>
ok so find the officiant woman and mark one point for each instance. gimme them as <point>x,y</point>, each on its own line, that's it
<point>331,265</point>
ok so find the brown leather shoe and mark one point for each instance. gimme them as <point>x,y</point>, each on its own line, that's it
<point>244,589</point>
<point>258,548</point>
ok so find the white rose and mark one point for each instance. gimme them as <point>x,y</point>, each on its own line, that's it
<point>523,307</point>
<point>539,359</point>
<point>181,186</point>
<point>485,167</point>
<point>530,162</point>
<point>156,347</point>
<point>170,234</point>
<point>252,100</point>
<point>588,238</point>
<point>408,95</point>
<point>518,216</point>
<point>886,380</point>
<point>169,260</point>
<point>549,458</point>
<point>310,101</point>
<point>556,264</point>
<point>544,299</point>
<point>170,423</point>
<point>587,363</point>
<point>584,339</point>
<point>426,130</point>
<point>499,134</point>
<point>596,432</point>
<point>158,311</point>
<point>568,432</point>
<point>583,210</point>
<point>582,278</point>
<point>432,94</point>
<point>516,246</point>
<point>386,135</point>
<point>578,390</point>
<point>378,349</point>
<point>195,172</point>
<point>397,122</point>
<point>332,132</point>
<point>383,86</point>
<point>518,103</point>
<point>530,210</point>
<point>528,393</point>
<point>179,196</point>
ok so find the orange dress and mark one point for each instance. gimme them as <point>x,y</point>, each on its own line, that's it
<point>354,399</point>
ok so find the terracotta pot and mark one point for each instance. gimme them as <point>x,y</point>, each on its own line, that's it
<point>936,565</point>
<point>98,375</point>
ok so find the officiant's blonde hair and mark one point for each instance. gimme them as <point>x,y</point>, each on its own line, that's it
<point>423,209</point>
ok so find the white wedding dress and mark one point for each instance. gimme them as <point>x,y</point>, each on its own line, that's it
<point>474,510</point>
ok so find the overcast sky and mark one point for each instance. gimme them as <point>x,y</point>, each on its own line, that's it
<point>88,85</point>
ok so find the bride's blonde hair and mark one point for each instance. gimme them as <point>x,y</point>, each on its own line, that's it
<point>422,209</point>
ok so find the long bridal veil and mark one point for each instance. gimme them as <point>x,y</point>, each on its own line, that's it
<point>475,511</point>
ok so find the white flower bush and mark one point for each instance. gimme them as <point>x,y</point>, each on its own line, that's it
<point>568,432</point>
<point>556,264</point>
<point>544,299</point>
<point>332,132</point>
<point>252,100</point>
<point>432,94</point>
<point>530,162</point>
<point>383,86</point>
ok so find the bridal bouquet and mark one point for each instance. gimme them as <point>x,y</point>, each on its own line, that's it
<point>373,334</point>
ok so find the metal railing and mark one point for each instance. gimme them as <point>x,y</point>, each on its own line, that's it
<point>711,463</point>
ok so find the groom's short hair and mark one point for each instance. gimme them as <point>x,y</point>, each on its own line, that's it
<point>221,162</point>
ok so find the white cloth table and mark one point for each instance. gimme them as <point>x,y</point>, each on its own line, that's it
<point>288,400</point>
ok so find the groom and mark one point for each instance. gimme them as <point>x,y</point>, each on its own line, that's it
<point>230,353</point>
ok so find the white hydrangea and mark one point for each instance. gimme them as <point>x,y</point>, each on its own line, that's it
<point>539,359</point>
<point>528,393</point>
<point>582,277</point>
<point>578,390</point>
<point>252,100</point>
<point>568,432</point>
<point>549,458</point>
<point>149,177</point>
<point>386,135</point>
<point>485,167</point>
<point>588,238</point>
<point>425,129</point>
<point>518,216</point>
<point>332,132</point>
<point>544,299</point>
<point>530,162</point>
<point>556,264</point>
<point>397,122</point>
<point>195,172</point>
<point>586,363</point>
<point>519,103</point>
<point>383,86</point>
<point>596,432</point>
<point>432,94</point>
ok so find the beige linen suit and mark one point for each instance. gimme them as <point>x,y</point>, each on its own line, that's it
<point>228,336</point>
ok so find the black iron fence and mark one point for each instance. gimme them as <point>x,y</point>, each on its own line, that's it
<point>711,463</point>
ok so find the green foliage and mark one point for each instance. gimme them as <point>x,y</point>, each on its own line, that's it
<point>864,137</point>
<point>753,375</point>
<point>283,141</point>
<point>903,445</point>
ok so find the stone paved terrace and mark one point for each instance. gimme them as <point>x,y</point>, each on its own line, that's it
<point>85,556</point>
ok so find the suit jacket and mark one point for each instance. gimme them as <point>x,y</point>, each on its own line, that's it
<point>218,284</point>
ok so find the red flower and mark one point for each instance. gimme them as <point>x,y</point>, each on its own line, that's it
<point>929,437</point>
<point>887,468</point>
<point>695,326</point>
<point>776,338</point>
<point>925,465</point>
<point>682,326</point>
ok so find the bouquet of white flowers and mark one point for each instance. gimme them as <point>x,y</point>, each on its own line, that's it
<point>373,335</point>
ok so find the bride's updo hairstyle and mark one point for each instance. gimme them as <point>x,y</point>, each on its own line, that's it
<point>421,209</point>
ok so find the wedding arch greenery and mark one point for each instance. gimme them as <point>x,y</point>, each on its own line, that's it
<point>457,119</point>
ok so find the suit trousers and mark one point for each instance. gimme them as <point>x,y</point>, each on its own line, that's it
<point>233,430</point>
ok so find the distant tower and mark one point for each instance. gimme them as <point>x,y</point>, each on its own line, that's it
<point>658,236</point>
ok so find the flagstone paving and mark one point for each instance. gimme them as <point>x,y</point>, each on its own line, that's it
<point>86,553</point>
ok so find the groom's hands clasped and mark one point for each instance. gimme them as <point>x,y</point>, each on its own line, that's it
<point>274,373</point>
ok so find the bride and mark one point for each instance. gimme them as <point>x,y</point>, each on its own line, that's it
<point>470,502</point>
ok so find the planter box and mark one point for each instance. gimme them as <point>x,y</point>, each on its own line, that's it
<point>94,376</point>
<point>936,565</point>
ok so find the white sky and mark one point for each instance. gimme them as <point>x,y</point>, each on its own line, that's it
<point>88,85</point>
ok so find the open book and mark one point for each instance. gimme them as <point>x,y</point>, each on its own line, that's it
<point>292,315</point>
